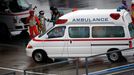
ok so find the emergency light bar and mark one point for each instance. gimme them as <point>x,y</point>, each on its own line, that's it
<point>115,16</point>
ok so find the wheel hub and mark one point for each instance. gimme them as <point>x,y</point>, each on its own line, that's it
<point>38,57</point>
<point>114,56</point>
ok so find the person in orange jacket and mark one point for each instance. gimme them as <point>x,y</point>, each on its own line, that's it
<point>32,22</point>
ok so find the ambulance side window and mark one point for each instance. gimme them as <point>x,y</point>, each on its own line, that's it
<point>107,31</point>
<point>57,32</point>
<point>79,32</point>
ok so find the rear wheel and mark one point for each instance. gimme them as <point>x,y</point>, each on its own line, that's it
<point>115,56</point>
<point>40,56</point>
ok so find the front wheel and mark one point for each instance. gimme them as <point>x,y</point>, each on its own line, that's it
<point>39,56</point>
<point>115,57</point>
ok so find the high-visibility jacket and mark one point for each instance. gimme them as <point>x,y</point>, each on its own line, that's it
<point>31,21</point>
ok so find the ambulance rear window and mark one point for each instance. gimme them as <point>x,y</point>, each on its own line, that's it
<point>107,31</point>
<point>131,29</point>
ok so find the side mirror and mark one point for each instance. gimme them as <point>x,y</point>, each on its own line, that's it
<point>46,36</point>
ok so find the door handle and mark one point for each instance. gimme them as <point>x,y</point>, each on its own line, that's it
<point>70,41</point>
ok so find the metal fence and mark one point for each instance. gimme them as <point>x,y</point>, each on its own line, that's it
<point>86,58</point>
<point>58,68</point>
<point>9,73</point>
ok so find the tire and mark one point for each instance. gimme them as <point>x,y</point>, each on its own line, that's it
<point>114,57</point>
<point>40,56</point>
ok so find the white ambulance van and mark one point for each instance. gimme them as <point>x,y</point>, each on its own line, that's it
<point>84,33</point>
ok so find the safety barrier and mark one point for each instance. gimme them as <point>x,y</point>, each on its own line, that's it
<point>9,73</point>
<point>86,58</point>
<point>58,68</point>
<point>115,69</point>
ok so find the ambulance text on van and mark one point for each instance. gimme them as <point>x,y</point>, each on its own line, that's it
<point>88,20</point>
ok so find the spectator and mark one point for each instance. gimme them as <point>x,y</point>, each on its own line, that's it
<point>55,14</point>
<point>124,5</point>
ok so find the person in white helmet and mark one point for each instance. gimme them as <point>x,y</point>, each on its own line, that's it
<point>43,20</point>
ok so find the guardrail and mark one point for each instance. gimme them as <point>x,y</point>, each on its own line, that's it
<point>86,58</point>
<point>114,70</point>
<point>57,68</point>
<point>9,73</point>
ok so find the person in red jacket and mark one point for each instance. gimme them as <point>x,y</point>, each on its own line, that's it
<point>32,22</point>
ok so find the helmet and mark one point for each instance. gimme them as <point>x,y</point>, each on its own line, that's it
<point>52,7</point>
<point>31,12</point>
<point>41,12</point>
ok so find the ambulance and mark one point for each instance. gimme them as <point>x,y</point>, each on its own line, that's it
<point>13,14</point>
<point>85,33</point>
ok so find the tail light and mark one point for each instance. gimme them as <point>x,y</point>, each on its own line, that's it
<point>130,44</point>
<point>29,46</point>
<point>61,21</point>
<point>115,16</point>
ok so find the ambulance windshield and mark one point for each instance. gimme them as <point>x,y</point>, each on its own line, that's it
<point>131,29</point>
<point>18,5</point>
<point>14,5</point>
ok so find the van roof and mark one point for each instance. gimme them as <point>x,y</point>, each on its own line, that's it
<point>92,12</point>
<point>95,16</point>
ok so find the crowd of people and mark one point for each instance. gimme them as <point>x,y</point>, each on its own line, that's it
<point>37,24</point>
